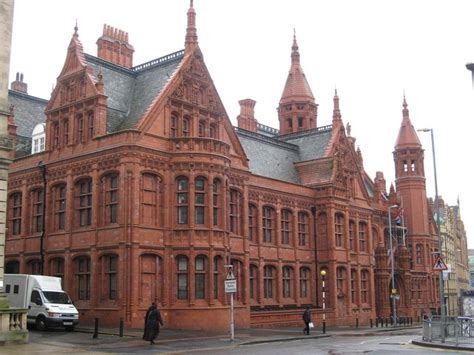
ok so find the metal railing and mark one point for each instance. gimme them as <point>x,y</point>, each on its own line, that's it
<point>451,330</point>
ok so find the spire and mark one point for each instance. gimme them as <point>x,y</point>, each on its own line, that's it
<point>336,113</point>
<point>191,33</point>
<point>296,87</point>
<point>407,136</point>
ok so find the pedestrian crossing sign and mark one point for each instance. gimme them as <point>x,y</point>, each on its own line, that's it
<point>439,264</point>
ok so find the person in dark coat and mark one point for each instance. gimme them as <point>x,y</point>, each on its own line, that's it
<point>306,320</point>
<point>153,321</point>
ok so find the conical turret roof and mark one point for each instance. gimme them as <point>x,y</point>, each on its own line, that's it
<point>407,137</point>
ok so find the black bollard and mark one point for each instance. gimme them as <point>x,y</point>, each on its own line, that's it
<point>121,328</point>
<point>357,322</point>
<point>324,326</point>
<point>371,324</point>
<point>376,322</point>
<point>96,329</point>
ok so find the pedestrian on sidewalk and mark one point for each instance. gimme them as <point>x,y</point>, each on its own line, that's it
<point>153,321</point>
<point>306,320</point>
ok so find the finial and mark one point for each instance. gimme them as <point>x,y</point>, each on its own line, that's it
<point>191,3</point>
<point>76,29</point>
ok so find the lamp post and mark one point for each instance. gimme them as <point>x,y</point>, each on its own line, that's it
<point>440,243</point>
<point>393,290</point>
<point>323,274</point>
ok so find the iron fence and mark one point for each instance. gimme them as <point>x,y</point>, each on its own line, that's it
<point>451,330</point>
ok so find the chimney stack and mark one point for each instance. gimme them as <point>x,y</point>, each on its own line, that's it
<point>19,85</point>
<point>113,46</point>
<point>246,119</point>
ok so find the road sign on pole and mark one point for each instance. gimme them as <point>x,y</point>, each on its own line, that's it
<point>439,264</point>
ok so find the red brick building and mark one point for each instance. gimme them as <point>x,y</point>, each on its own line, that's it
<point>131,184</point>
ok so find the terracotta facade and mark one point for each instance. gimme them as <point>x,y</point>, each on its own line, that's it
<point>153,204</point>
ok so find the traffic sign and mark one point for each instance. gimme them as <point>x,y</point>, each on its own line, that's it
<point>439,264</point>
<point>230,275</point>
<point>230,286</point>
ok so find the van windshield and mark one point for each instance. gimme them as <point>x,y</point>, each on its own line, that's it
<point>57,297</point>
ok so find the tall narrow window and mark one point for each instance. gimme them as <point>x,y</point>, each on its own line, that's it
<point>200,277</point>
<point>353,285</point>
<point>185,132</point>
<point>287,281</point>
<point>213,131</point>
<point>302,228</point>
<point>57,268</point>
<point>111,275</point>
<point>364,286</point>
<point>199,200</point>
<point>66,131</point>
<point>90,125</point>
<point>235,211</point>
<point>340,280</point>
<point>419,254</point>
<point>111,198</point>
<point>300,122</point>
<point>80,129</point>
<point>173,126</point>
<point>285,226</point>
<point>83,278</point>
<point>38,209</point>
<point>267,222</point>
<point>182,264</point>
<point>351,235</point>
<point>151,199</point>
<point>34,267</point>
<point>217,267</point>
<point>84,202</point>
<point>60,206</point>
<point>55,135</point>
<point>216,202</point>
<point>202,129</point>
<point>253,272</point>
<point>304,281</point>
<point>290,122</point>
<point>252,222</point>
<point>362,237</point>
<point>15,218</point>
<point>182,199</point>
<point>339,228</point>
<point>268,281</point>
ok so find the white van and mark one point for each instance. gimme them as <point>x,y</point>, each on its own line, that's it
<point>43,296</point>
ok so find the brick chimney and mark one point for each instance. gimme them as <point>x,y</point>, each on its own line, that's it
<point>113,46</point>
<point>19,85</point>
<point>246,119</point>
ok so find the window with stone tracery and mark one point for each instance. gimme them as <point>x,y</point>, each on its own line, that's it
<point>286,226</point>
<point>182,199</point>
<point>84,202</point>
<point>303,228</point>
<point>339,228</point>
<point>15,213</point>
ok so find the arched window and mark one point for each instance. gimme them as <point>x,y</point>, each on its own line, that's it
<point>56,267</point>
<point>173,125</point>
<point>304,282</point>
<point>182,276</point>
<point>200,277</point>
<point>151,199</point>
<point>288,279</point>
<point>339,228</point>
<point>216,275</point>
<point>213,132</point>
<point>200,200</point>
<point>34,267</point>
<point>202,129</point>
<point>364,286</point>
<point>37,210</point>
<point>302,228</point>
<point>216,202</point>
<point>353,285</point>
<point>362,237</point>
<point>235,211</point>
<point>59,195</point>
<point>268,223</point>
<point>269,274</point>
<point>38,137</point>
<point>12,267</point>
<point>15,213</point>
<point>186,124</point>
<point>151,280</point>
<point>253,281</point>
<point>252,220</point>
<point>55,135</point>
<point>340,281</point>
<point>90,125</point>
<point>182,199</point>
<point>351,235</point>
<point>80,129</point>
<point>84,202</point>
<point>238,270</point>
<point>108,275</point>
<point>82,271</point>
<point>286,226</point>
<point>110,196</point>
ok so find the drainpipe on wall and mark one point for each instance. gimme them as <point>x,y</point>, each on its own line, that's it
<point>313,211</point>
<point>43,227</point>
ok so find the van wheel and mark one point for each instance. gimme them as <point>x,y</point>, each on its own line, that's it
<point>41,323</point>
<point>70,328</point>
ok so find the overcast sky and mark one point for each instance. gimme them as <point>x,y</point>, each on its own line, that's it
<point>371,51</point>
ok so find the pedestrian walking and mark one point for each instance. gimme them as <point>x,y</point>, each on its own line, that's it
<point>306,320</point>
<point>153,321</point>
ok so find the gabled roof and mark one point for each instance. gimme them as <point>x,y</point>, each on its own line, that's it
<point>275,157</point>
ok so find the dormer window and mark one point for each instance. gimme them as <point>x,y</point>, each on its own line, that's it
<point>38,137</point>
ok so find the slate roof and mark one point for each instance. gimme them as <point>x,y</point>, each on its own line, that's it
<point>275,156</point>
<point>28,111</point>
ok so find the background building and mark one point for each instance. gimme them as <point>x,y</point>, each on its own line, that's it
<point>142,191</point>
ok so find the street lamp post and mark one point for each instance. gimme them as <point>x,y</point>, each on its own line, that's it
<point>440,243</point>
<point>392,263</point>
<point>323,277</point>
